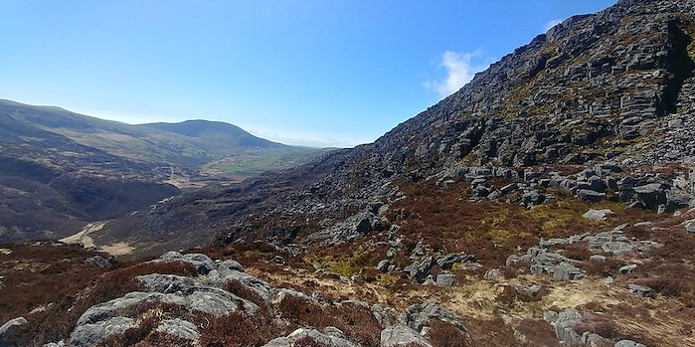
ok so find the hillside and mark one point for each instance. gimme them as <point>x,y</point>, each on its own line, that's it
<point>612,89</point>
<point>549,202</point>
<point>61,170</point>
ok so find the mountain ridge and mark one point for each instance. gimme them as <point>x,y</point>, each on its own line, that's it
<point>74,169</point>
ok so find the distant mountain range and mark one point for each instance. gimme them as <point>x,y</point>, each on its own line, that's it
<point>65,169</point>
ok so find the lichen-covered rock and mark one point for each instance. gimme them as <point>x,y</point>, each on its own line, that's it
<point>492,274</point>
<point>179,328</point>
<point>628,343</point>
<point>310,337</point>
<point>167,283</point>
<point>418,316</point>
<point>8,325</point>
<point>102,320</point>
<point>598,215</point>
<point>402,335</point>
<point>567,272</point>
<point>220,278</point>
<point>445,279</point>
<point>642,291</point>
<point>87,335</point>
<point>689,226</point>
<point>202,262</point>
<point>564,326</point>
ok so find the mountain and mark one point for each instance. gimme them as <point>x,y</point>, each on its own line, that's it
<point>615,88</point>
<point>549,202</point>
<point>217,133</point>
<point>61,170</point>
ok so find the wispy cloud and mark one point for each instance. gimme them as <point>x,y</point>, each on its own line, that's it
<point>551,24</point>
<point>126,117</point>
<point>460,70</point>
<point>308,138</point>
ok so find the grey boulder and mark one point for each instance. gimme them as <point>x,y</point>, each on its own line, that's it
<point>418,316</point>
<point>642,291</point>
<point>445,279</point>
<point>202,262</point>
<point>564,326</point>
<point>179,328</point>
<point>492,274</point>
<point>597,215</point>
<point>628,343</point>
<point>689,225</point>
<point>328,340</point>
<point>87,335</point>
<point>402,335</point>
<point>567,272</point>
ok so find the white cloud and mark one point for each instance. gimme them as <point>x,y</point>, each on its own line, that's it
<point>459,69</point>
<point>551,24</point>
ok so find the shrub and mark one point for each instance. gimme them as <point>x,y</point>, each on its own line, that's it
<point>131,336</point>
<point>307,341</point>
<point>443,334</point>
<point>242,291</point>
<point>577,251</point>
<point>354,320</point>
<point>59,320</point>
<point>540,333</point>
<point>234,330</point>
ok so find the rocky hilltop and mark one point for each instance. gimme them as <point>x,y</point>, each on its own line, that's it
<point>549,202</point>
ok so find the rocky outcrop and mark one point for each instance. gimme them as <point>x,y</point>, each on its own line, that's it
<point>206,295</point>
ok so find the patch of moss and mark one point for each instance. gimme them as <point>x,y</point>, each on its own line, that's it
<point>387,279</point>
<point>496,223</point>
<point>567,211</point>
<point>345,263</point>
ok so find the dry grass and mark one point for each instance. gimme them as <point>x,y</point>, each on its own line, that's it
<point>38,275</point>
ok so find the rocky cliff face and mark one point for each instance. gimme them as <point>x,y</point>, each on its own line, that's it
<point>612,88</point>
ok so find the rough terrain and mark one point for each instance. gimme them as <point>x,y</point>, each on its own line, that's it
<point>549,202</point>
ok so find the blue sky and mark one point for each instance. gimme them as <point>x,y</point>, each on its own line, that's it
<point>321,72</point>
